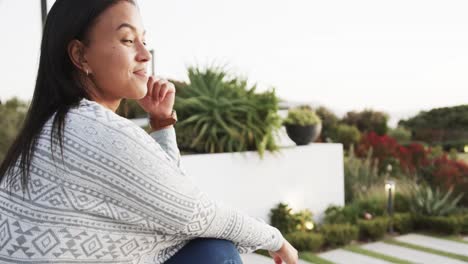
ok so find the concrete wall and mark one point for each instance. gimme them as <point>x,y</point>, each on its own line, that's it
<point>305,177</point>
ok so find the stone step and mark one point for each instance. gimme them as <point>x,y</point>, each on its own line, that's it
<point>341,256</point>
<point>435,243</point>
<point>408,254</point>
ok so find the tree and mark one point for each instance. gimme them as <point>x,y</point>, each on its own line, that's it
<point>447,126</point>
<point>12,114</point>
<point>329,123</point>
<point>368,121</point>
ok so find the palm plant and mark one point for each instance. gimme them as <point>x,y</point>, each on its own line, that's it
<point>219,113</point>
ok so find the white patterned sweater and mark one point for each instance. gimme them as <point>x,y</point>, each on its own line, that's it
<point>118,196</point>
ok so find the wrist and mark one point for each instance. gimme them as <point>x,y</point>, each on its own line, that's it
<point>158,123</point>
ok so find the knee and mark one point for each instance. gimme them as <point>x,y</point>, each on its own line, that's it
<point>219,250</point>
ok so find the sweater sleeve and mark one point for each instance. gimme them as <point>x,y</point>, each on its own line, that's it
<point>157,192</point>
<point>166,138</point>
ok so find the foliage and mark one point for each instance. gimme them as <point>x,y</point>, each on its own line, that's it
<point>12,115</point>
<point>447,225</point>
<point>329,123</point>
<point>339,234</point>
<point>368,121</point>
<point>305,241</point>
<point>402,222</point>
<point>447,126</point>
<point>359,174</point>
<point>352,212</point>
<point>341,215</point>
<point>389,154</point>
<point>129,108</point>
<point>283,218</point>
<point>301,116</point>
<point>427,202</point>
<point>401,134</point>
<point>304,220</point>
<point>373,229</point>
<point>347,135</point>
<point>219,113</point>
<point>463,220</point>
<point>447,173</point>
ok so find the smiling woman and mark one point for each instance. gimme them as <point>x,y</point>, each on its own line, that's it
<point>116,194</point>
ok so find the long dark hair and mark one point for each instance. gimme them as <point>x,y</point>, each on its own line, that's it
<point>59,84</point>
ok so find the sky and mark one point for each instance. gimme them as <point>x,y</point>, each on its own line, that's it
<point>399,56</point>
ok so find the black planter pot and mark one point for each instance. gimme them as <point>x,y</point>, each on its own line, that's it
<point>303,135</point>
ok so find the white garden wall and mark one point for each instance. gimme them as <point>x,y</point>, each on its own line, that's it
<point>305,177</point>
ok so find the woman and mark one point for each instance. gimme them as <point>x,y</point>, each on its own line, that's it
<point>81,184</point>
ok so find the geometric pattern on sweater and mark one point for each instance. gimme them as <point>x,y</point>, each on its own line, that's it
<point>118,195</point>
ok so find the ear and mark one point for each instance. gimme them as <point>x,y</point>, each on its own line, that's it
<point>76,50</point>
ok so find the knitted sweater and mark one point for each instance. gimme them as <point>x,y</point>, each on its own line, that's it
<point>118,195</point>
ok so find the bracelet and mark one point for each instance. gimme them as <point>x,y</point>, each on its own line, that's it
<point>162,123</point>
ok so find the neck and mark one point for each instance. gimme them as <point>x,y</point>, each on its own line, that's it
<point>111,104</point>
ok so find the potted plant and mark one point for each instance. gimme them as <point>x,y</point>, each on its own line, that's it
<point>302,125</point>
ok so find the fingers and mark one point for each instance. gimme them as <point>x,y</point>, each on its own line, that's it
<point>159,88</point>
<point>150,85</point>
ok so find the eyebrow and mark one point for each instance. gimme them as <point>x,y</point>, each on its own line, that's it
<point>133,28</point>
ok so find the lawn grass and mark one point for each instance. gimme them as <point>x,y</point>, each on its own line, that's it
<point>428,250</point>
<point>373,254</point>
<point>309,256</point>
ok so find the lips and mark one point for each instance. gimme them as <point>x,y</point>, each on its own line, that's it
<point>141,73</point>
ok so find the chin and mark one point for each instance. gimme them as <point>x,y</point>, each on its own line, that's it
<point>139,93</point>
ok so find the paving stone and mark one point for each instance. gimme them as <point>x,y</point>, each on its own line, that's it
<point>341,256</point>
<point>435,243</point>
<point>408,254</point>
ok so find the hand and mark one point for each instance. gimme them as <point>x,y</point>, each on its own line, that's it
<point>286,253</point>
<point>159,100</point>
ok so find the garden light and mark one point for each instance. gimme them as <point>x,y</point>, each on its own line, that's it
<point>466,149</point>
<point>309,225</point>
<point>390,190</point>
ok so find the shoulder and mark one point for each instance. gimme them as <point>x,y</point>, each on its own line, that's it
<point>90,120</point>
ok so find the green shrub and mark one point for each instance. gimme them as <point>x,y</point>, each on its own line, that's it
<point>360,174</point>
<point>341,215</point>
<point>373,229</point>
<point>329,123</point>
<point>304,220</point>
<point>282,218</point>
<point>427,202</point>
<point>401,134</point>
<point>339,234</point>
<point>305,241</point>
<point>446,225</point>
<point>347,135</point>
<point>401,203</point>
<point>12,115</point>
<point>302,116</point>
<point>367,121</point>
<point>463,220</point>
<point>402,223</point>
<point>219,113</point>
<point>373,205</point>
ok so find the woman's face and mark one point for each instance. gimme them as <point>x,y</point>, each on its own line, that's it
<point>116,54</point>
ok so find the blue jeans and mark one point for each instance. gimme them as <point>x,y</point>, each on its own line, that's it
<point>207,251</point>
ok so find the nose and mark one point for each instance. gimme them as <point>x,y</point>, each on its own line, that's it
<point>143,54</point>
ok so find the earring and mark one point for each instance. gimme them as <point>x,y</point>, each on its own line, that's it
<point>87,72</point>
